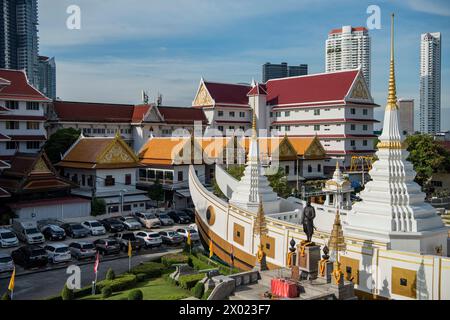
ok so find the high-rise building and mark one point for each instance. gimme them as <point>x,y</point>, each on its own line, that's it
<point>349,48</point>
<point>19,44</point>
<point>283,70</point>
<point>406,110</point>
<point>430,83</point>
<point>47,76</point>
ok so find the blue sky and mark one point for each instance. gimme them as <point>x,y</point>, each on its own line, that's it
<point>166,46</point>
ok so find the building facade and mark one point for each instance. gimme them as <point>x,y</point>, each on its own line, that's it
<point>430,83</point>
<point>349,48</point>
<point>22,115</point>
<point>406,111</point>
<point>47,76</point>
<point>282,70</point>
<point>19,37</point>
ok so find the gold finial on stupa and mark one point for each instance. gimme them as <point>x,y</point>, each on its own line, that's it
<point>254,134</point>
<point>337,241</point>
<point>392,95</point>
<point>260,227</point>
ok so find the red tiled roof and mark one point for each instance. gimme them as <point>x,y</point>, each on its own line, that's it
<point>227,93</point>
<point>353,30</point>
<point>257,90</point>
<point>139,112</point>
<point>180,115</point>
<point>19,88</point>
<point>311,88</point>
<point>93,112</point>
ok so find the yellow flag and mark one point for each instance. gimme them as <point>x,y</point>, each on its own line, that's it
<point>211,251</point>
<point>129,249</point>
<point>12,281</point>
<point>188,241</point>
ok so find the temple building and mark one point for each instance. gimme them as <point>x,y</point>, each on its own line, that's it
<point>105,168</point>
<point>391,245</point>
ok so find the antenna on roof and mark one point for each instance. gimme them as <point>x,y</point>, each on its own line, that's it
<point>144,97</point>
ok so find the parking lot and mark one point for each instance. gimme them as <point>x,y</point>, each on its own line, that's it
<point>165,247</point>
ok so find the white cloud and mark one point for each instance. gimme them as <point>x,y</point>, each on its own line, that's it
<point>437,7</point>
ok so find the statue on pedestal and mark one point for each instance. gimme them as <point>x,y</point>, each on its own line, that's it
<point>307,220</point>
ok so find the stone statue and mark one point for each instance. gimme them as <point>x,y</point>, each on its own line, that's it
<point>307,220</point>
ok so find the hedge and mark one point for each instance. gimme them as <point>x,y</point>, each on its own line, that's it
<point>223,269</point>
<point>121,283</point>
<point>198,290</point>
<point>189,281</point>
<point>149,269</point>
<point>171,259</point>
<point>106,292</point>
<point>199,264</point>
<point>206,294</point>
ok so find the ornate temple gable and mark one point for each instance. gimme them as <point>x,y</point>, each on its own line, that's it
<point>117,152</point>
<point>315,150</point>
<point>203,97</point>
<point>41,167</point>
<point>359,90</point>
<point>153,115</point>
<point>286,150</point>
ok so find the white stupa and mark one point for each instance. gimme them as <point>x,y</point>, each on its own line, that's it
<point>338,190</point>
<point>254,187</point>
<point>393,208</point>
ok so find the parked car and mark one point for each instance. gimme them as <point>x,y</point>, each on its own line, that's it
<point>190,213</point>
<point>95,228</point>
<point>151,239</point>
<point>30,256</point>
<point>107,246</point>
<point>166,220</point>
<point>6,263</point>
<point>171,237</point>
<point>179,217</point>
<point>148,220</point>
<point>75,230</point>
<point>45,222</point>
<point>127,237</point>
<point>184,232</point>
<point>54,233</point>
<point>28,232</point>
<point>82,250</point>
<point>112,225</point>
<point>58,253</point>
<point>8,239</point>
<point>130,223</point>
<point>193,226</point>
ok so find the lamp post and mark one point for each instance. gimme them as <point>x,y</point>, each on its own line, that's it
<point>121,200</point>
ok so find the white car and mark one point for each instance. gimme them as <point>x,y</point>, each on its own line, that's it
<point>130,223</point>
<point>148,220</point>
<point>94,227</point>
<point>8,239</point>
<point>151,239</point>
<point>184,232</point>
<point>6,263</point>
<point>58,253</point>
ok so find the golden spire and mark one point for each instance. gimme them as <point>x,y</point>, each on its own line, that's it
<point>254,135</point>
<point>260,226</point>
<point>392,96</point>
<point>337,241</point>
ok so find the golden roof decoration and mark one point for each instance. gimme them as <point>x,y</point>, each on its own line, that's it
<point>260,227</point>
<point>337,240</point>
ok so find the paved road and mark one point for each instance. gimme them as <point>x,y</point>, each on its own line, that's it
<point>41,285</point>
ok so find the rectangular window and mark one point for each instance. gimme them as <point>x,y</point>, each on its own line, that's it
<point>352,111</point>
<point>316,127</point>
<point>127,208</point>
<point>128,179</point>
<point>288,128</point>
<point>12,125</point>
<point>83,180</point>
<point>242,114</point>
<point>232,114</point>
<point>271,114</point>
<point>365,112</point>
<point>110,181</point>
<point>286,170</point>
<point>33,125</point>
<point>365,127</point>
<point>168,176</point>
<point>365,143</point>
<point>319,168</point>
<point>352,143</point>
<point>12,105</point>
<point>220,128</point>
<point>317,112</point>
<point>152,174</point>
<point>352,127</point>
<point>180,175</point>
<point>309,168</point>
<point>220,113</point>
<point>33,145</point>
<point>32,105</point>
<point>12,145</point>
<point>287,113</point>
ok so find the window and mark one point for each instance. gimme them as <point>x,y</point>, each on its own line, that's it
<point>180,175</point>
<point>32,105</point>
<point>152,174</point>
<point>271,114</point>
<point>231,127</point>
<point>287,128</point>
<point>286,170</point>
<point>352,127</point>
<point>365,143</point>
<point>287,113</point>
<point>168,175</point>
<point>12,145</point>
<point>232,114</point>
<point>309,168</point>
<point>12,125</point>
<point>86,131</point>
<point>352,143</point>
<point>220,113</point>
<point>83,180</point>
<point>33,145</point>
<point>365,112</point>
<point>316,127</point>
<point>365,127</point>
<point>12,105</point>
<point>352,111</point>
<point>319,168</point>
<point>403,282</point>
<point>128,179</point>
<point>317,112</point>
<point>127,208</point>
<point>242,114</point>
<point>90,181</point>
<point>220,128</point>
<point>110,181</point>
<point>32,125</point>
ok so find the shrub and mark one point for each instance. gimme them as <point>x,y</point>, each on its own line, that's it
<point>149,269</point>
<point>135,295</point>
<point>110,275</point>
<point>198,264</point>
<point>189,281</point>
<point>199,289</point>
<point>140,277</point>
<point>98,207</point>
<point>206,294</point>
<point>67,294</point>
<point>123,282</point>
<point>106,292</point>
<point>171,259</point>
<point>6,296</point>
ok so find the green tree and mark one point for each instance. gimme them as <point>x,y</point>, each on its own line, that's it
<point>98,207</point>
<point>110,274</point>
<point>60,142</point>
<point>156,192</point>
<point>427,156</point>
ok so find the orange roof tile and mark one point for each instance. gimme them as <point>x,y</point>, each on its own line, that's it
<point>162,150</point>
